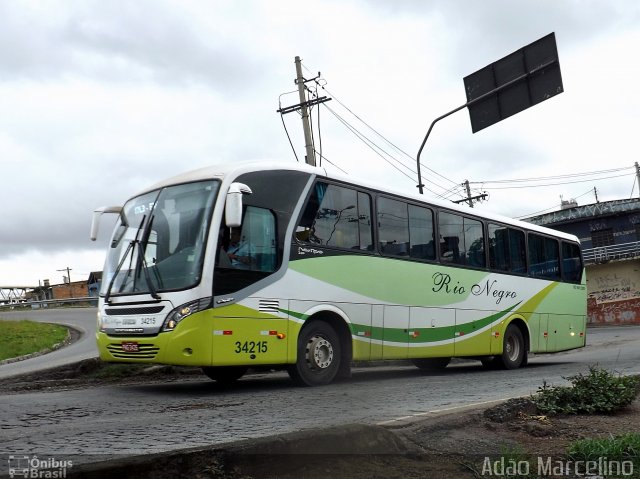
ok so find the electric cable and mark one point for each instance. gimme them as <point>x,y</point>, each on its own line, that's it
<point>381,136</point>
<point>284,124</point>
<point>556,177</point>
<point>552,184</point>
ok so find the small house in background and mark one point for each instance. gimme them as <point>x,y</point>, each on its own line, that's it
<point>75,289</point>
<point>610,236</point>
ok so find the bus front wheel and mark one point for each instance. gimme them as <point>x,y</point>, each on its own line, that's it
<point>225,374</point>
<point>514,349</point>
<point>318,355</point>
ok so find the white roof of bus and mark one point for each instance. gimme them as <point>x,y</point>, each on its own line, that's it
<point>236,169</point>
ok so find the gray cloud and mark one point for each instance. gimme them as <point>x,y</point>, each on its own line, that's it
<point>101,99</point>
<point>122,42</point>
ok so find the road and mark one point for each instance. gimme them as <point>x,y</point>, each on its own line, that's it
<point>103,422</point>
<point>81,319</point>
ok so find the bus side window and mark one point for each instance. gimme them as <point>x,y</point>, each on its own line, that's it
<point>517,251</point>
<point>421,233</point>
<point>543,257</point>
<point>461,240</point>
<point>393,227</point>
<point>336,216</point>
<point>507,250</point>
<point>571,262</point>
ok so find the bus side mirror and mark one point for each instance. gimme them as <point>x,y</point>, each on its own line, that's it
<point>233,206</point>
<point>95,221</point>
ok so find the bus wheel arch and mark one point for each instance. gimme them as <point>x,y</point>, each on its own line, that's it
<point>324,350</point>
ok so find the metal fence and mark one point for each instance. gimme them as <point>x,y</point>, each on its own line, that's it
<point>87,301</point>
<point>603,254</point>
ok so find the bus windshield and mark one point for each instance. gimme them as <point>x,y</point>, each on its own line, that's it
<point>158,242</point>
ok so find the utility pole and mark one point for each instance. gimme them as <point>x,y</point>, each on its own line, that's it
<point>68,270</point>
<point>595,192</point>
<point>638,177</point>
<point>466,184</point>
<point>308,141</point>
<point>470,199</point>
<point>303,106</point>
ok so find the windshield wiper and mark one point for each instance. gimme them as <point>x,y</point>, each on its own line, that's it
<point>131,244</point>
<point>143,261</point>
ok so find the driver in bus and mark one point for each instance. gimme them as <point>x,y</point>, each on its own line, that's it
<point>241,253</point>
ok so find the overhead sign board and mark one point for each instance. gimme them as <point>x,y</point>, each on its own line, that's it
<point>514,83</point>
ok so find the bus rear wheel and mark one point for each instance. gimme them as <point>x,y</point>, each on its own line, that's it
<point>431,364</point>
<point>514,349</point>
<point>319,355</point>
<point>225,374</point>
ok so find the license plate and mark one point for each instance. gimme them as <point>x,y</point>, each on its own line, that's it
<point>130,347</point>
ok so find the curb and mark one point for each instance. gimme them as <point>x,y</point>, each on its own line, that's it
<point>269,453</point>
<point>349,439</point>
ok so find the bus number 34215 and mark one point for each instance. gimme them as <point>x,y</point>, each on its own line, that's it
<point>251,347</point>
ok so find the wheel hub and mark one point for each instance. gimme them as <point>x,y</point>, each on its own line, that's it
<point>319,353</point>
<point>513,349</point>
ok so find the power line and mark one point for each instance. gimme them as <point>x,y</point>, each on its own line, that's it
<point>370,142</point>
<point>556,177</point>
<point>397,148</point>
<point>552,184</point>
<point>371,145</point>
<point>453,190</point>
<point>393,145</point>
<point>331,163</point>
<point>284,124</point>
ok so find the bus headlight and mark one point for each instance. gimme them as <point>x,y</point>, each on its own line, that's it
<point>181,312</point>
<point>100,326</point>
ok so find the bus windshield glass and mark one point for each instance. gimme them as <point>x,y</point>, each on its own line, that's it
<point>158,242</point>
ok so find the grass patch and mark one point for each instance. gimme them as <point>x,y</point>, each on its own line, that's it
<point>600,391</point>
<point>612,450</point>
<point>18,338</point>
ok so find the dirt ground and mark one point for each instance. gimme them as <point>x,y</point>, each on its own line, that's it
<point>449,446</point>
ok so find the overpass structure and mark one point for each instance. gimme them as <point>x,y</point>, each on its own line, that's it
<point>15,294</point>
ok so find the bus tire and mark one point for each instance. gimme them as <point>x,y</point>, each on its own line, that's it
<point>319,355</point>
<point>431,364</point>
<point>514,350</point>
<point>225,374</point>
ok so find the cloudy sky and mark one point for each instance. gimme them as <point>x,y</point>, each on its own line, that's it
<point>99,99</point>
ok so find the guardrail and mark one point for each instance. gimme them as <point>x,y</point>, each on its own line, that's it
<point>52,303</point>
<point>603,254</point>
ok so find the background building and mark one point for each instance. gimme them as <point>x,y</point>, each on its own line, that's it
<point>610,236</point>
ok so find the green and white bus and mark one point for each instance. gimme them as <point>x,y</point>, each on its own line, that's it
<point>332,271</point>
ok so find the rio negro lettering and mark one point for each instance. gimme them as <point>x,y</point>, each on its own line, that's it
<point>443,283</point>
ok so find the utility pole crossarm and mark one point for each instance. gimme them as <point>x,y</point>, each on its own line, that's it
<point>312,102</point>
<point>470,199</point>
